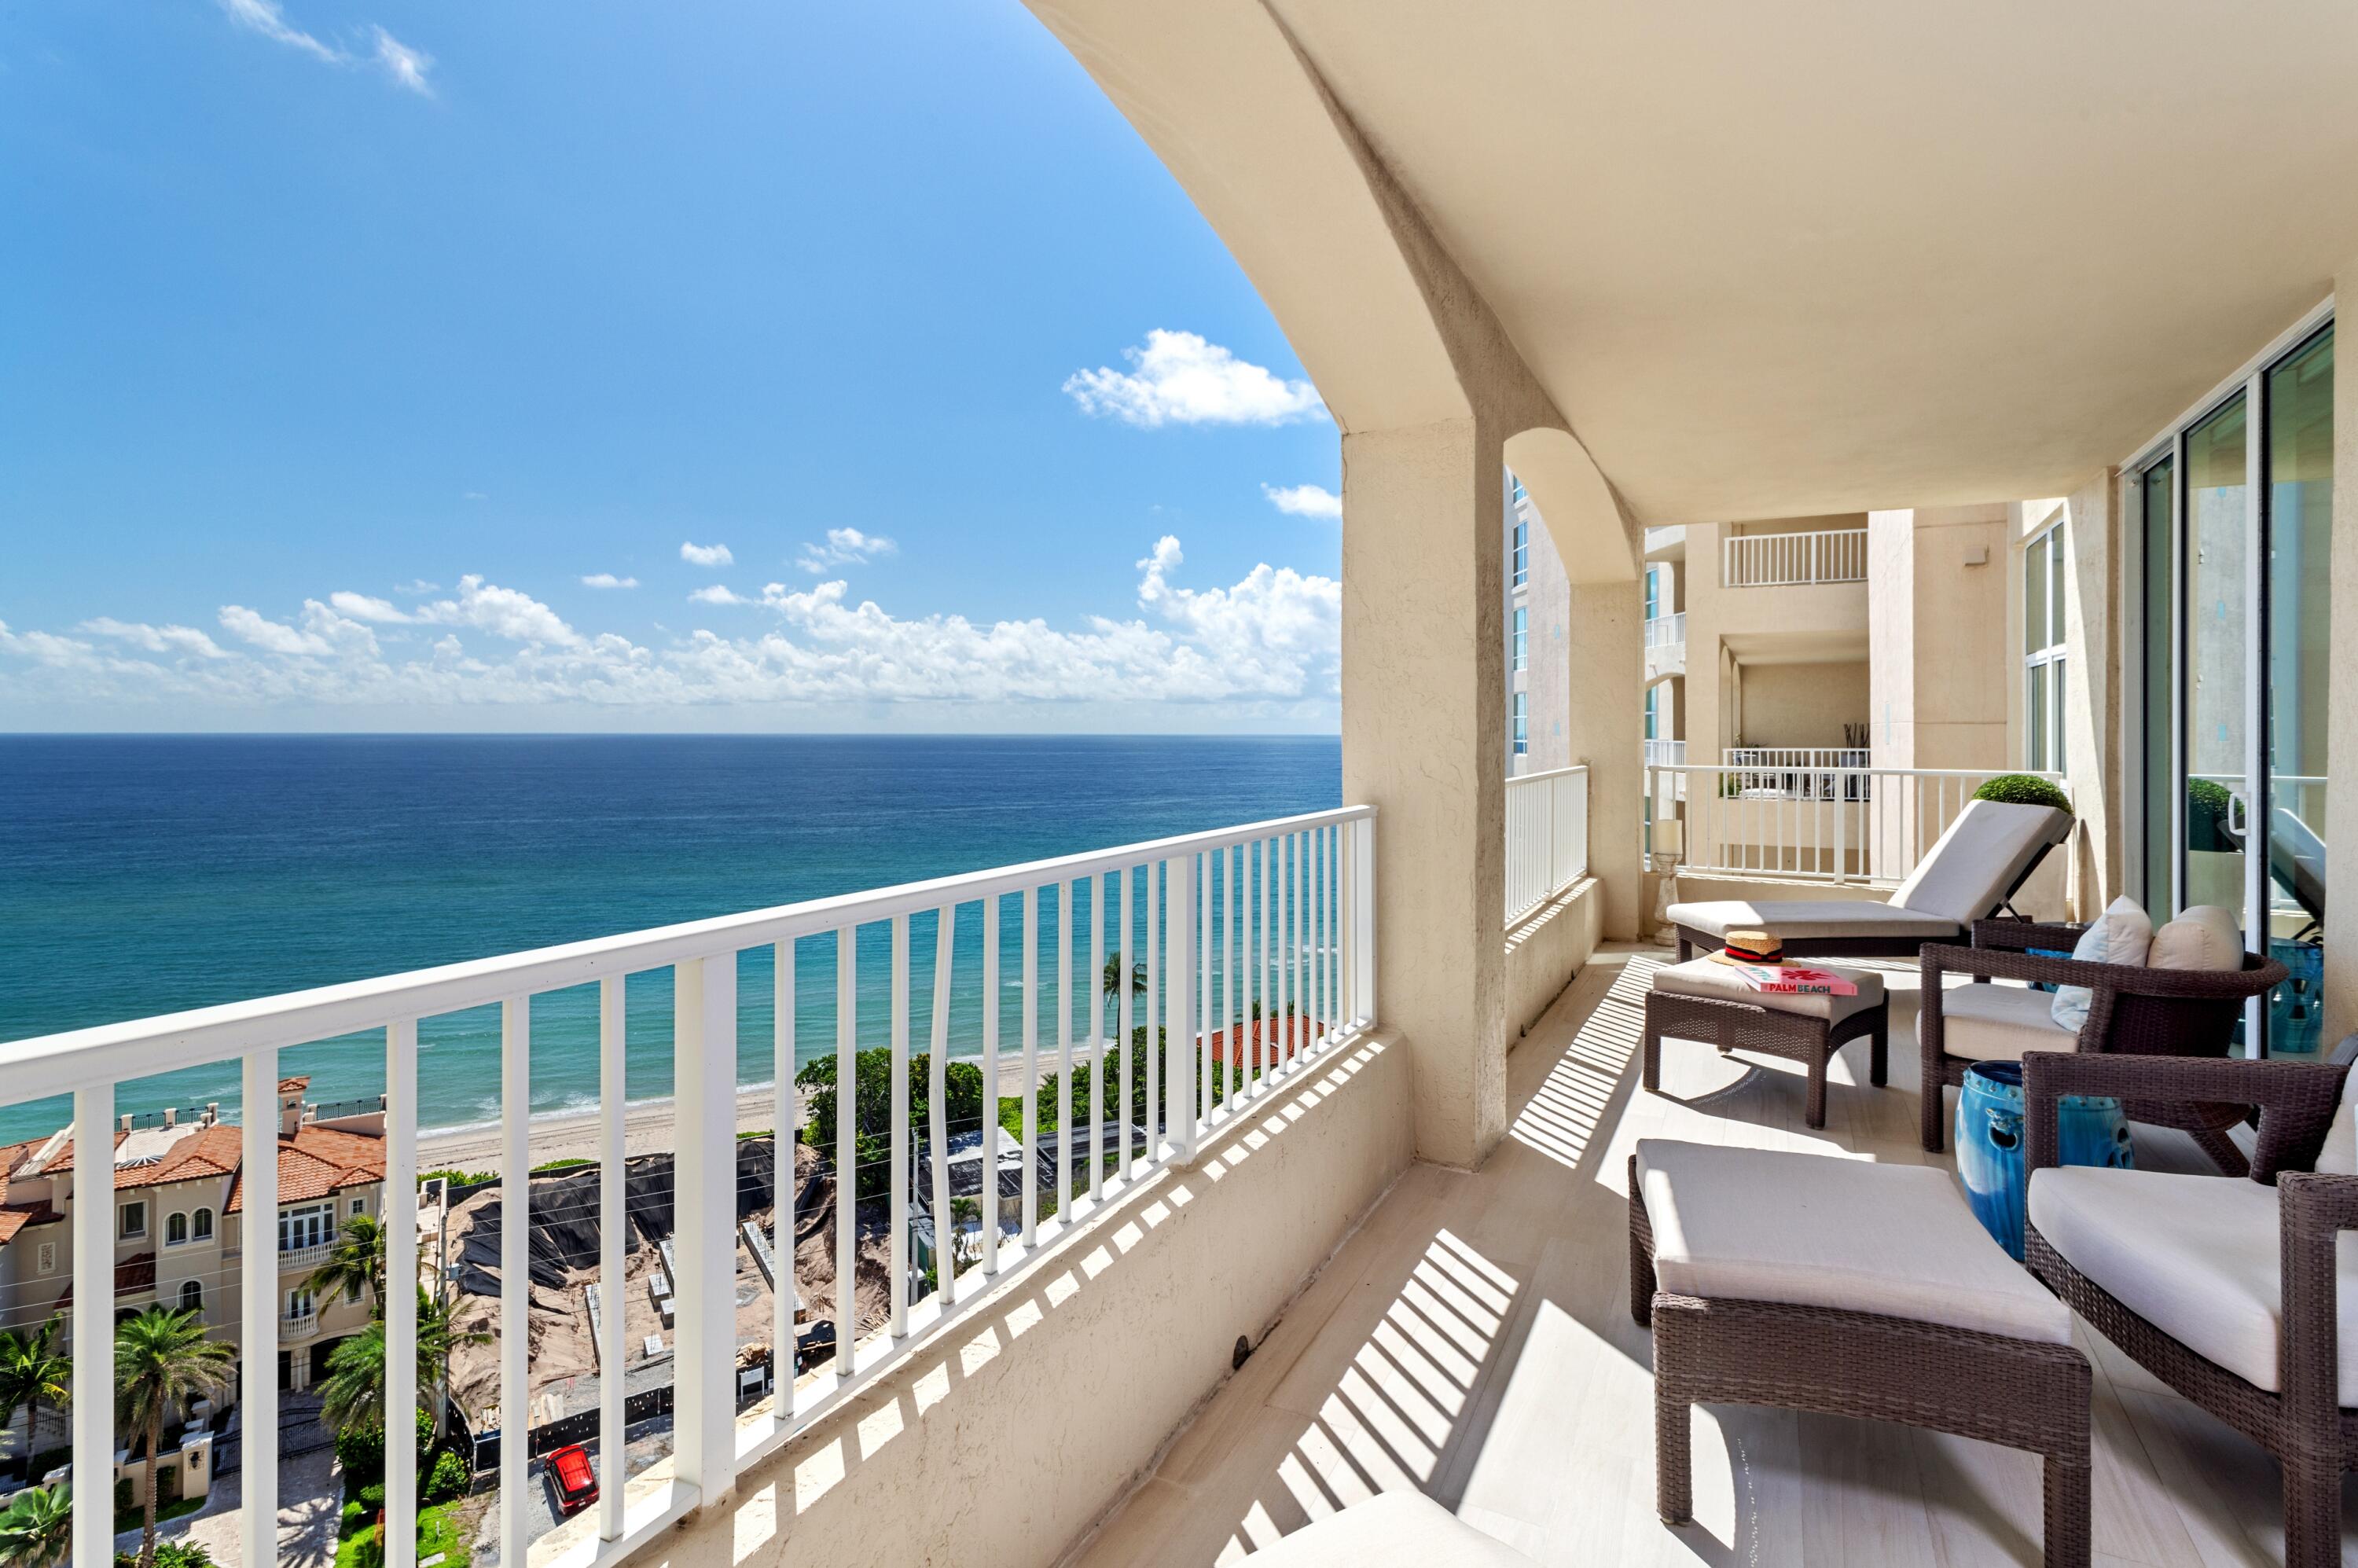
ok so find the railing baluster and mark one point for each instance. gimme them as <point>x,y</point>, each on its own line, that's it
<point>846,1148</point>
<point>1205,949</point>
<point>936,1112</point>
<point>613,1236</point>
<point>1096,1037</point>
<point>515,1277</point>
<point>1064,1052</point>
<point>900,1177</point>
<point>1127,954</point>
<point>1179,1027</point>
<point>1231,868</point>
<point>987,1197</point>
<point>1158,888</point>
<point>258,1281</point>
<point>1031,1200</point>
<point>398,1218</point>
<point>93,1380</point>
<point>704,1133</point>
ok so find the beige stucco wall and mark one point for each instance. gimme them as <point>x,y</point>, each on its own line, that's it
<point>1804,705</point>
<point>1546,949</point>
<point>1958,662</point>
<point>1001,1442</point>
<point>1548,685</point>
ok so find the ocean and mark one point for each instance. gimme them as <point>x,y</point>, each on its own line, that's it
<point>147,874</point>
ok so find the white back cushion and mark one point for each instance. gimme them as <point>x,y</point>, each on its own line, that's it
<point>2119,936</point>
<point>1989,845</point>
<point>2204,937</point>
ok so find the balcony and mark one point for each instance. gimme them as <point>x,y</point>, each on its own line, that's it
<point>1547,836</point>
<point>294,1328</point>
<point>1666,645</point>
<point>1789,560</point>
<point>292,1259</point>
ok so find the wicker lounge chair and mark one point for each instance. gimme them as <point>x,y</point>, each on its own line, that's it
<point>1852,1288</point>
<point>2227,1288</point>
<point>2150,1012</point>
<point>1975,867</point>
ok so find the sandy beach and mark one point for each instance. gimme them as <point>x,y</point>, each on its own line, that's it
<point>573,1135</point>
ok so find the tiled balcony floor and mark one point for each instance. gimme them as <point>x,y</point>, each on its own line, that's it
<point>1473,1340</point>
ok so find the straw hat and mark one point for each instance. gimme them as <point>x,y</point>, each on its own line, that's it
<point>1751,947</point>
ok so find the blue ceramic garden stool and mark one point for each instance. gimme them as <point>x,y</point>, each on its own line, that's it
<point>2090,1128</point>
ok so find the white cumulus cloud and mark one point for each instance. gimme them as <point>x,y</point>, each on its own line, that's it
<point>1265,646</point>
<point>1178,378</point>
<point>706,555</point>
<point>268,18</point>
<point>718,594</point>
<point>845,548</point>
<point>404,66</point>
<point>1303,499</point>
<point>608,580</point>
<point>361,607</point>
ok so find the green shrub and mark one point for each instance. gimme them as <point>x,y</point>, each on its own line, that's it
<point>553,1166</point>
<point>2024,789</point>
<point>360,1454</point>
<point>170,1554</point>
<point>372,1499</point>
<point>447,1481</point>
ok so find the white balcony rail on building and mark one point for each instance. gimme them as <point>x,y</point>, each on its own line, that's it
<point>1665,631</point>
<point>1277,915</point>
<point>297,1327</point>
<point>1665,753</point>
<point>1775,561</point>
<point>1802,772</point>
<point>309,1257</point>
<point>1841,825</point>
<point>1547,835</point>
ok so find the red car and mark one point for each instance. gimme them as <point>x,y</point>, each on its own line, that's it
<point>576,1481</point>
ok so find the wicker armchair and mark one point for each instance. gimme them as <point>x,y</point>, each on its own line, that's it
<point>2096,1237</point>
<point>2148,1012</point>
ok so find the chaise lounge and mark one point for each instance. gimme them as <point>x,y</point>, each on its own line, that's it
<point>1984,858</point>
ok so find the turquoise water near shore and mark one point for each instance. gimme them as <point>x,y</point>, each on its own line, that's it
<point>148,874</point>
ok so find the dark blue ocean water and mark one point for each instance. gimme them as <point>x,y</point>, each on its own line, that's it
<point>143,875</point>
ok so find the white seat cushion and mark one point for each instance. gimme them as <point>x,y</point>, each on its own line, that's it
<point>2194,1256</point>
<point>1710,977</point>
<point>1997,1023</point>
<point>1404,1527</point>
<point>1803,919</point>
<point>1897,1241</point>
<point>1983,854</point>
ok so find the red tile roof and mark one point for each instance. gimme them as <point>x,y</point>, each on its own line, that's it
<point>1247,1046</point>
<point>293,1086</point>
<point>319,1161</point>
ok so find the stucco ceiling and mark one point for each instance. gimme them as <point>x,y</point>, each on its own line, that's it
<point>1813,257</point>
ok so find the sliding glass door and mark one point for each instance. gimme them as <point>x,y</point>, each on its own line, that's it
<point>2235,530</point>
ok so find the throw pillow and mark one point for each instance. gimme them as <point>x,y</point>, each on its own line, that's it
<point>2204,937</point>
<point>2119,936</point>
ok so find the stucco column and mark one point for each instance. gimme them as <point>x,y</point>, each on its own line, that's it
<point>1604,645</point>
<point>1424,716</point>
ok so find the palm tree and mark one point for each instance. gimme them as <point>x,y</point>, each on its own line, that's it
<point>1111,985</point>
<point>352,1394</point>
<point>37,1528</point>
<point>34,1372</point>
<point>162,1360</point>
<point>355,1264</point>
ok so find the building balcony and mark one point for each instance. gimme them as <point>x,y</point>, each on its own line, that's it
<point>294,1328</point>
<point>1666,645</point>
<point>304,1259</point>
<point>1667,543</point>
<point>1793,560</point>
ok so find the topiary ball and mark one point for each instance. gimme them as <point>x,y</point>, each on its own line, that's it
<point>2024,789</point>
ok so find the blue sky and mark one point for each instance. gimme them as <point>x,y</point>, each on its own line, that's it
<point>314,304</point>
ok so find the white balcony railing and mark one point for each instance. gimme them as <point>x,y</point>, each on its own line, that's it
<point>1804,773</point>
<point>1773,560</point>
<point>298,1326</point>
<point>1547,835</point>
<point>311,1256</point>
<point>1863,824</point>
<point>1276,915</point>
<point>1665,753</point>
<point>1664,631</point>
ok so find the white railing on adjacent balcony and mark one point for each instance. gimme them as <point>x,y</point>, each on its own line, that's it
<point>309,1257</point>
<point>1865,825</point>
<point>1547,835</point>
<point>1665,753</point>
<point>1273,920</point>
<point>1775,561</point>
<point>1663,631</point>
<point>298,1326</point>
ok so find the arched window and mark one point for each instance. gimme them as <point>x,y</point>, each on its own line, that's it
<point>204,1229</point>
<point>192,1297</point>
<point>176,1229</point>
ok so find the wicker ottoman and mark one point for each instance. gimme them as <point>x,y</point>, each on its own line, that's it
<point>1704,1000</point>
<point>1849,1288</point>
